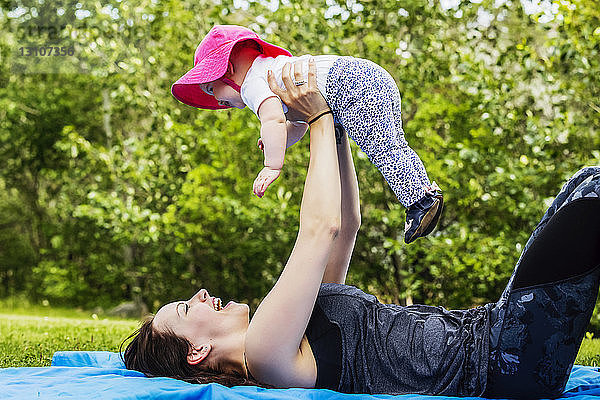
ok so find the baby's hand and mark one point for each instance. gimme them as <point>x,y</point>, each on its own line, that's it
<point>265,177</point>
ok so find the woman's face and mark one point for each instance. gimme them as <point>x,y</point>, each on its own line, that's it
<point>202,318</point>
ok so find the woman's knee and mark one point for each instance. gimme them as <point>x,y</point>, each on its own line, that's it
<point>585,172</point>
<point>587,184</point>
<point>584,183</point>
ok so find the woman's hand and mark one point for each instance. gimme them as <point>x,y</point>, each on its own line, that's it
<point>305,100</point>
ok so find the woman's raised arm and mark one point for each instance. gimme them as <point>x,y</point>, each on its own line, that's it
<point>277,328</point>
<point>343,246</point>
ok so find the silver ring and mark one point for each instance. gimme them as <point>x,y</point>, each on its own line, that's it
<point>299,83</point>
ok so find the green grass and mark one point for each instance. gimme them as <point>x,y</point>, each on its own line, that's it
<point>589,352</point>
<point>22,306</point>
<point>30,334</point>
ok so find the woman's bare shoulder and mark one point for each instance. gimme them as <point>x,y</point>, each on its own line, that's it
<point>300,373</point>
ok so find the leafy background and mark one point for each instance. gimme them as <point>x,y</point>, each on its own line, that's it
<point>111,190</point>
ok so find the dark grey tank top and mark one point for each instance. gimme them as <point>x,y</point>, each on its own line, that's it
<point>363,346</point>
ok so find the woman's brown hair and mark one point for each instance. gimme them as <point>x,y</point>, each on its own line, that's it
<point>165,354</point>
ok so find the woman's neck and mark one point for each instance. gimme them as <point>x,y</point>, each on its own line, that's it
<point>229,351</point>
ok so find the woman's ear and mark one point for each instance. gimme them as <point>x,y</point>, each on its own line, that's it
<point>198,353</point>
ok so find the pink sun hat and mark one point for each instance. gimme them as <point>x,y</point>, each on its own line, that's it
<point>210,63</point>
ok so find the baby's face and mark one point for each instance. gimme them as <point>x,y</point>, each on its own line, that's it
<point>225,94</point>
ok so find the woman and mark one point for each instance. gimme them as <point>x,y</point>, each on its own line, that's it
<point>311,330</point>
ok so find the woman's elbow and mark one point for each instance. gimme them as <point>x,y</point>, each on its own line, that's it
<point>351,222</point>
<point>332,226</point>
<point>322,226</point>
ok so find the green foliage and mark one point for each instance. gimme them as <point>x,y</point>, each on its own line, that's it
<point>110,189</point>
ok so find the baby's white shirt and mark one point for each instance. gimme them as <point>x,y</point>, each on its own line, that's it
<point>255,88</point>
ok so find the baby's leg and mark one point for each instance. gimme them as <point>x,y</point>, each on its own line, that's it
<point>416,170</point>
<point>369,108</point>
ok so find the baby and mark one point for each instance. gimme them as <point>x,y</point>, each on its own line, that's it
<point>230,70</point>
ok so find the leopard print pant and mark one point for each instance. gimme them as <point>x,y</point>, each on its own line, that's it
<point>365,100</point>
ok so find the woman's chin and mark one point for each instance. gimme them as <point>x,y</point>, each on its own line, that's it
<point>239,310</point>
<point>234,307</point>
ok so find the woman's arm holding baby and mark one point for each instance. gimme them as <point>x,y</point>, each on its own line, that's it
<point>276,350</point>
<point>343,246</point>
<point>274,138</point>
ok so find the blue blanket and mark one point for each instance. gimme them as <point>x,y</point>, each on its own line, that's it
<point>102,375</point>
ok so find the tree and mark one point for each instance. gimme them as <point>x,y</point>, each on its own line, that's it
<point>113,190</point>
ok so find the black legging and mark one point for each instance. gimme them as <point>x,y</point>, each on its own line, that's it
<point>540,319</point>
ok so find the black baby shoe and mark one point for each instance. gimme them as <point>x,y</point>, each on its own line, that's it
<point>423,215</point>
